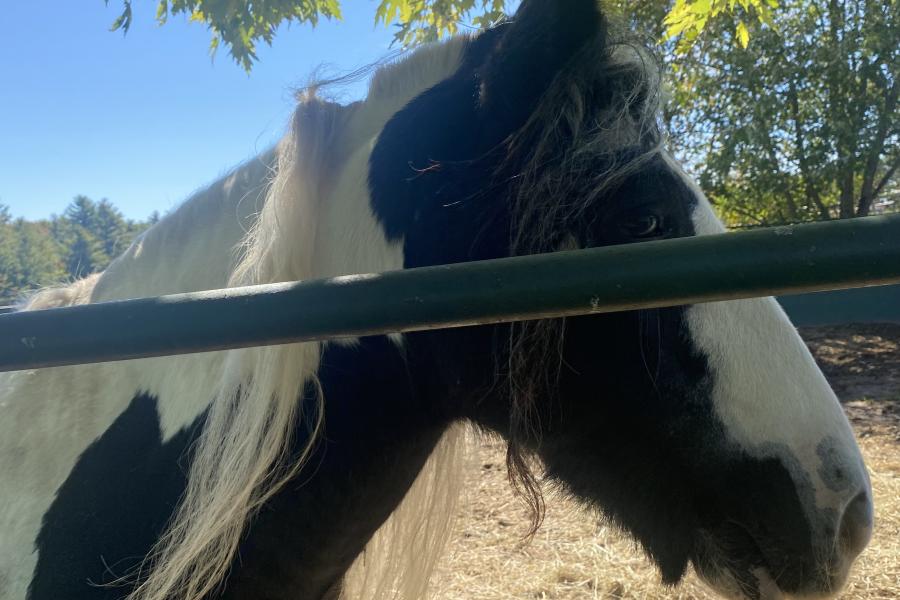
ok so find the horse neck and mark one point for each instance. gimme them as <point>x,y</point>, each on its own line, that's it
<point>318,222</point>
<point>194,247</point>
<point>382,484</point>
<point>379,431</point>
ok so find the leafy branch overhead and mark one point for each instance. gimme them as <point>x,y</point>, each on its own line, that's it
<point>801,124</point>
<point>688,18</point>
<point>240,25</point>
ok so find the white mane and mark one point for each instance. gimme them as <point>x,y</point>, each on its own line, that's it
<point>316,222</point>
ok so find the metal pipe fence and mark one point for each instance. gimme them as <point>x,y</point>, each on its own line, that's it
<point>761,262</point>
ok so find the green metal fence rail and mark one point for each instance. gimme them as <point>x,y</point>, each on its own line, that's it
<point>780,260</point>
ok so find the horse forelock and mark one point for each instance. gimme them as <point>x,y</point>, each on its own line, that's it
<point>575,149</point>
<point>596,124</point>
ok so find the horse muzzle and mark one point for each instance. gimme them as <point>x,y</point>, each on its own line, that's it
<point>757,560</point>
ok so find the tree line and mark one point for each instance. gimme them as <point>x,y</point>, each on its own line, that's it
<point>81,241</point>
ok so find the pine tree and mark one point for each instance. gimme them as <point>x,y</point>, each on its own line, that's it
<point>82,211</point>
<point>84,254</point>
<point>82,241</point>
<point>110,229</point>
<point>39,256</point>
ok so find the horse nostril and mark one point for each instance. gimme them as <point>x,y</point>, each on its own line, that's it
<point>856,525</point>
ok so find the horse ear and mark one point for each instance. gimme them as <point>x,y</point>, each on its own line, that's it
<point>543,37</point>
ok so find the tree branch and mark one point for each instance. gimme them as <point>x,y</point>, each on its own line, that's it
<point>868,191</point>
<point>812,192</point>
<point>887,177</point>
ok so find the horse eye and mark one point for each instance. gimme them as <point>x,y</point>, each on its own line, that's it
<point>645,226</point>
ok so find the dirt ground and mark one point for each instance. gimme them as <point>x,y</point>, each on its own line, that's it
<point>574,556</point>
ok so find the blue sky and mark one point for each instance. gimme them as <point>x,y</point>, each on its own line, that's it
<point>147,118</point>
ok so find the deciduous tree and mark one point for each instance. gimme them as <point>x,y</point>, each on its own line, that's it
<point>803,124</point>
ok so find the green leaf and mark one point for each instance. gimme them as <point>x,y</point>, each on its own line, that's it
<point>701,7</point>
<point>743,35</point>
<point>241,24</point>
<point>677,27</point>
<point>123,22</point>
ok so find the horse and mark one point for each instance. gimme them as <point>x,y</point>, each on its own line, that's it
<point>332,469</point>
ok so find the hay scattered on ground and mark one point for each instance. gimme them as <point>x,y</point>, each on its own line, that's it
<point>575,557</point>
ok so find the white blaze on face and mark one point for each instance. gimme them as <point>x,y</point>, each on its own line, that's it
<point>768,392</point>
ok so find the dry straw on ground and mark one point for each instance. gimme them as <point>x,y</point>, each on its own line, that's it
<point>575,557</point>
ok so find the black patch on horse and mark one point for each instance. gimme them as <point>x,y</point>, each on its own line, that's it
<point>112,508</point>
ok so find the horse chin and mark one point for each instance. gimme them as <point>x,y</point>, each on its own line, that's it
<point>735,586</point>
<point>734,567</point>
<point>731,562</point>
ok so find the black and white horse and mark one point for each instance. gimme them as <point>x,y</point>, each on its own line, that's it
<point>325,470</point>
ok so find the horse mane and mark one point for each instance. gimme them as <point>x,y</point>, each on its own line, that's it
<point>244,453</point>
<point>72,294</point>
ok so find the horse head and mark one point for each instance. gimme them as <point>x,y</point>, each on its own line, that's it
<point>706,431</point>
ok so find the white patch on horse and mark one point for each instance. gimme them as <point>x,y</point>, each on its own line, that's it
<point>768,391</point>
<point>64,410</point>
<point>192,248</point>
<point>350,238</point>
<point>34,460</point>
